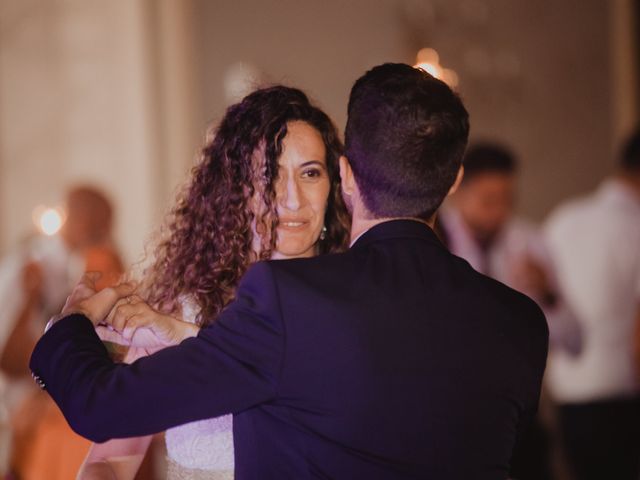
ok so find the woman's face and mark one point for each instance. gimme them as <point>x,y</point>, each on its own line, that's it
<point>302,191</point>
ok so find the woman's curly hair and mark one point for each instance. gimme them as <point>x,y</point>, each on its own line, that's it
<point>205,246</point>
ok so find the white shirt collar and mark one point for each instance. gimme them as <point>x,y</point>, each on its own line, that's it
<point>617,191</point>
<point>358,237</point>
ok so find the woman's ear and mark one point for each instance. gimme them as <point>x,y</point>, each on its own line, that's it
<point>458,181</point>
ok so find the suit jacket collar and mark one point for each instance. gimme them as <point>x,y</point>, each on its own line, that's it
<point>397,229</point>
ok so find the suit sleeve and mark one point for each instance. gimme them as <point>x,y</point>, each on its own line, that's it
<point>230,366</point>
<point>534,349</point>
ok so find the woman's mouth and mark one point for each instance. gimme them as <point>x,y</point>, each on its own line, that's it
<point>292,224</point>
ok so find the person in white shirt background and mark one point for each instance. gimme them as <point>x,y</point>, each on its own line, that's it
<point>45,269</point>
<point>594,243</point>
<point>479,224</point>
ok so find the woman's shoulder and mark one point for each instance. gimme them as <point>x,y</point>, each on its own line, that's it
<point>189,308</point>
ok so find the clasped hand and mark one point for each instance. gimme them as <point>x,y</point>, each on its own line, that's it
<point>122,317</point>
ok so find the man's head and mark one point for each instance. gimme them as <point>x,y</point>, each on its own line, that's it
<point>405,136</point>
<point>486,196</point>
<point>89,218</point>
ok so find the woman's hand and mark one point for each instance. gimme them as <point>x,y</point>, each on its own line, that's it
<point>139,325</point>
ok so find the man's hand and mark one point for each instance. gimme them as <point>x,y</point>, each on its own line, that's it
<point>531,278</point>
<point>95,306</point>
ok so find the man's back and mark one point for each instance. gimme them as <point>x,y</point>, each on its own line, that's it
<point>393,360</point>
<point>400,361</point>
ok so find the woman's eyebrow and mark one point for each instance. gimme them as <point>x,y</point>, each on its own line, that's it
<point>313,162</point>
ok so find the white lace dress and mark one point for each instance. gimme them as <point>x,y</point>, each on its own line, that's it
<point>203,449</point>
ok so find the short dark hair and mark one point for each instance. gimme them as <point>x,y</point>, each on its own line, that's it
<point>631,153</point>
<point>405,136</point>
<point>488,158</point>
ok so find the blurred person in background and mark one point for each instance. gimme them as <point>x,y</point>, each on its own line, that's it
<point>46,268</point>
<point>594,242</point>
<point>479,224</point>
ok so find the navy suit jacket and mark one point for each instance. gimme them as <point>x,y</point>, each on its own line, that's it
<point>392,360</point>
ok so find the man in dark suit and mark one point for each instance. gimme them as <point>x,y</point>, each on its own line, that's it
<point>392,360</point>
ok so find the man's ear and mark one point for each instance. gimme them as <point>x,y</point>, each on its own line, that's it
<point>458,181</point>
<point>346,176</point>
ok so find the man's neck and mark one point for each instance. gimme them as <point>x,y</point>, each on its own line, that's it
<point>359,225</point>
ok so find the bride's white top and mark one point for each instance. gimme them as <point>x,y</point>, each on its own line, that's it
<point>204,444</point>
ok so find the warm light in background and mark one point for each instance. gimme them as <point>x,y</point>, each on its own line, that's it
<point>240,79</point>
<point>429,61</point>
<point>48,220</point>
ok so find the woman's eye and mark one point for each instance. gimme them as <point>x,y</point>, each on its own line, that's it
<point>312,173</point>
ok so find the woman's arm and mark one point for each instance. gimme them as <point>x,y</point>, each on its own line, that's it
<point>120,459</point>
<point>117,459</point>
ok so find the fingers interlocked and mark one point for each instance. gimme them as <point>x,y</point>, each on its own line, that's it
<point>128,314</point>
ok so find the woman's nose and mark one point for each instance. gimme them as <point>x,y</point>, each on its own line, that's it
<point>289,193</point>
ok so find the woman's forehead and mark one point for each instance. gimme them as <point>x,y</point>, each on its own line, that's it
<point>303,143</point>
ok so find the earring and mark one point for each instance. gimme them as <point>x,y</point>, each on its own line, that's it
<point>323,233</point>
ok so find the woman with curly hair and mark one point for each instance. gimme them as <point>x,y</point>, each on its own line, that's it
<point>267,187</point>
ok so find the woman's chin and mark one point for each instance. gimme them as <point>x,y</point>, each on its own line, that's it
<point>294,251</point>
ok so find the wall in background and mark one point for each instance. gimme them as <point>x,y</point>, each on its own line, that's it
<point>75,108</point>
<point>119,92</point>
<point>548,78</point>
